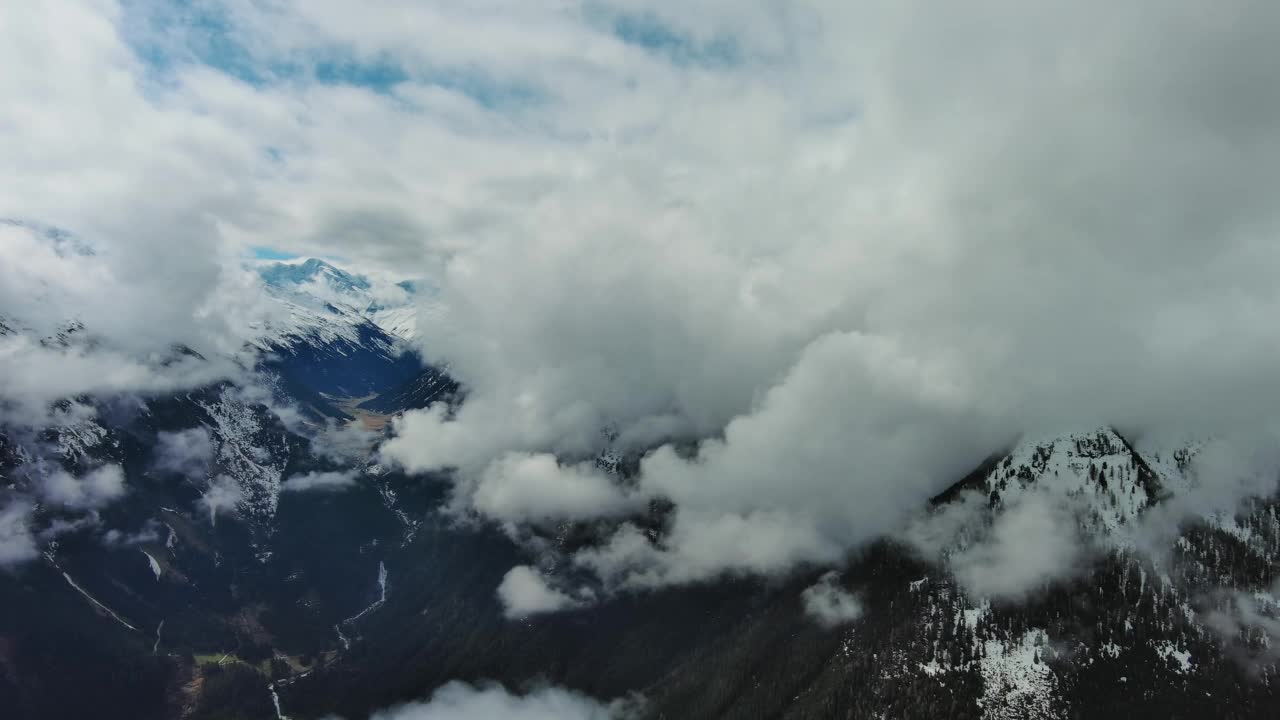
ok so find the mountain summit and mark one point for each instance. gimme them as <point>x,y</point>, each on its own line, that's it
<point>346,296</point>
<point>292,274</point>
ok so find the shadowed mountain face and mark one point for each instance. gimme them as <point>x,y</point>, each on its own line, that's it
<point>330,336</point>
<point>1127,637</point>
<point>429,385</point>
<point>368,362</point>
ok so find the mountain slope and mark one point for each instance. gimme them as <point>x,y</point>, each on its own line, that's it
<point>1126,637</point>
<point>391,307</point>
<point>206,579</point>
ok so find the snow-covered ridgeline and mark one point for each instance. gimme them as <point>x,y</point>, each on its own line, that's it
<point>1097,471</point>
<point>326,305</point>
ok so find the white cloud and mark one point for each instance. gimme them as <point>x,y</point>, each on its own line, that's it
<point>1031,544</point>
<point>460,701</point>
<point>222,496</point>
<point>944,528</point>
<point>91,491</point>
<point>829,604</point>
<point>878,242</point>
<point>841,450</point>
<point>531,488</point>
<point>187,452</point>
<point>148,533</point>
<point>524,591</point>
<point>58,526</point>
<point>38,374</point>
<point>320,481</point>
<point>17,544</point>
<point>866,305</point>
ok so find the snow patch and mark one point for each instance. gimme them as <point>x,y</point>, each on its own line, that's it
<point>1095,470</point>
<point>1180,657</point>
<point>155,566</point>
<point>1017,683</point>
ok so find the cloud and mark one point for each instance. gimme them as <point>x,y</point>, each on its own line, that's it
<point>1219,476</point>
<point>895,263</point>
<point>320,481</point>
<point>872,242</point>
<point>148,533</point>
<point>17,544</point>
<point>949,526</point>
<point>91,491</point>
<point>524,591</point>
<point>533,488</point>
<point>1249,624</point>
<point>844,448</point>
<point>187,452</point>
<point>222,496</point>
<point>59,526</point>
<point>344,442</point>
<point>460,701</point>
<point>39,374</point>
<point>1032,543</point>
<point>1046,535</point>
<point>829,604</point>
<point>157,272</point>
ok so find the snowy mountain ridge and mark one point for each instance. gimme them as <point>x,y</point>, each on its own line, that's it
<point>1097,469</point>
<point>326,301</point>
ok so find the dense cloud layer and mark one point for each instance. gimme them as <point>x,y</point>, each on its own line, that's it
<point>1025,218</point>
<point>851,248</point>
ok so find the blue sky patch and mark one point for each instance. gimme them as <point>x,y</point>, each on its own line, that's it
<point>380,76</point>
<point>170,34</point>
<point>267,253</point>
<point>167,36</point>
<point>649,32</point>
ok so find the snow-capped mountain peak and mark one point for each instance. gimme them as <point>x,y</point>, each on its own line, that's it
<point>1098,468</point>
<point>292,274</point>
<point>318,294</point>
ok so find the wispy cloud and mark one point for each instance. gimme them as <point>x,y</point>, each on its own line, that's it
<point>17,543</point>
<point>320,481</point>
